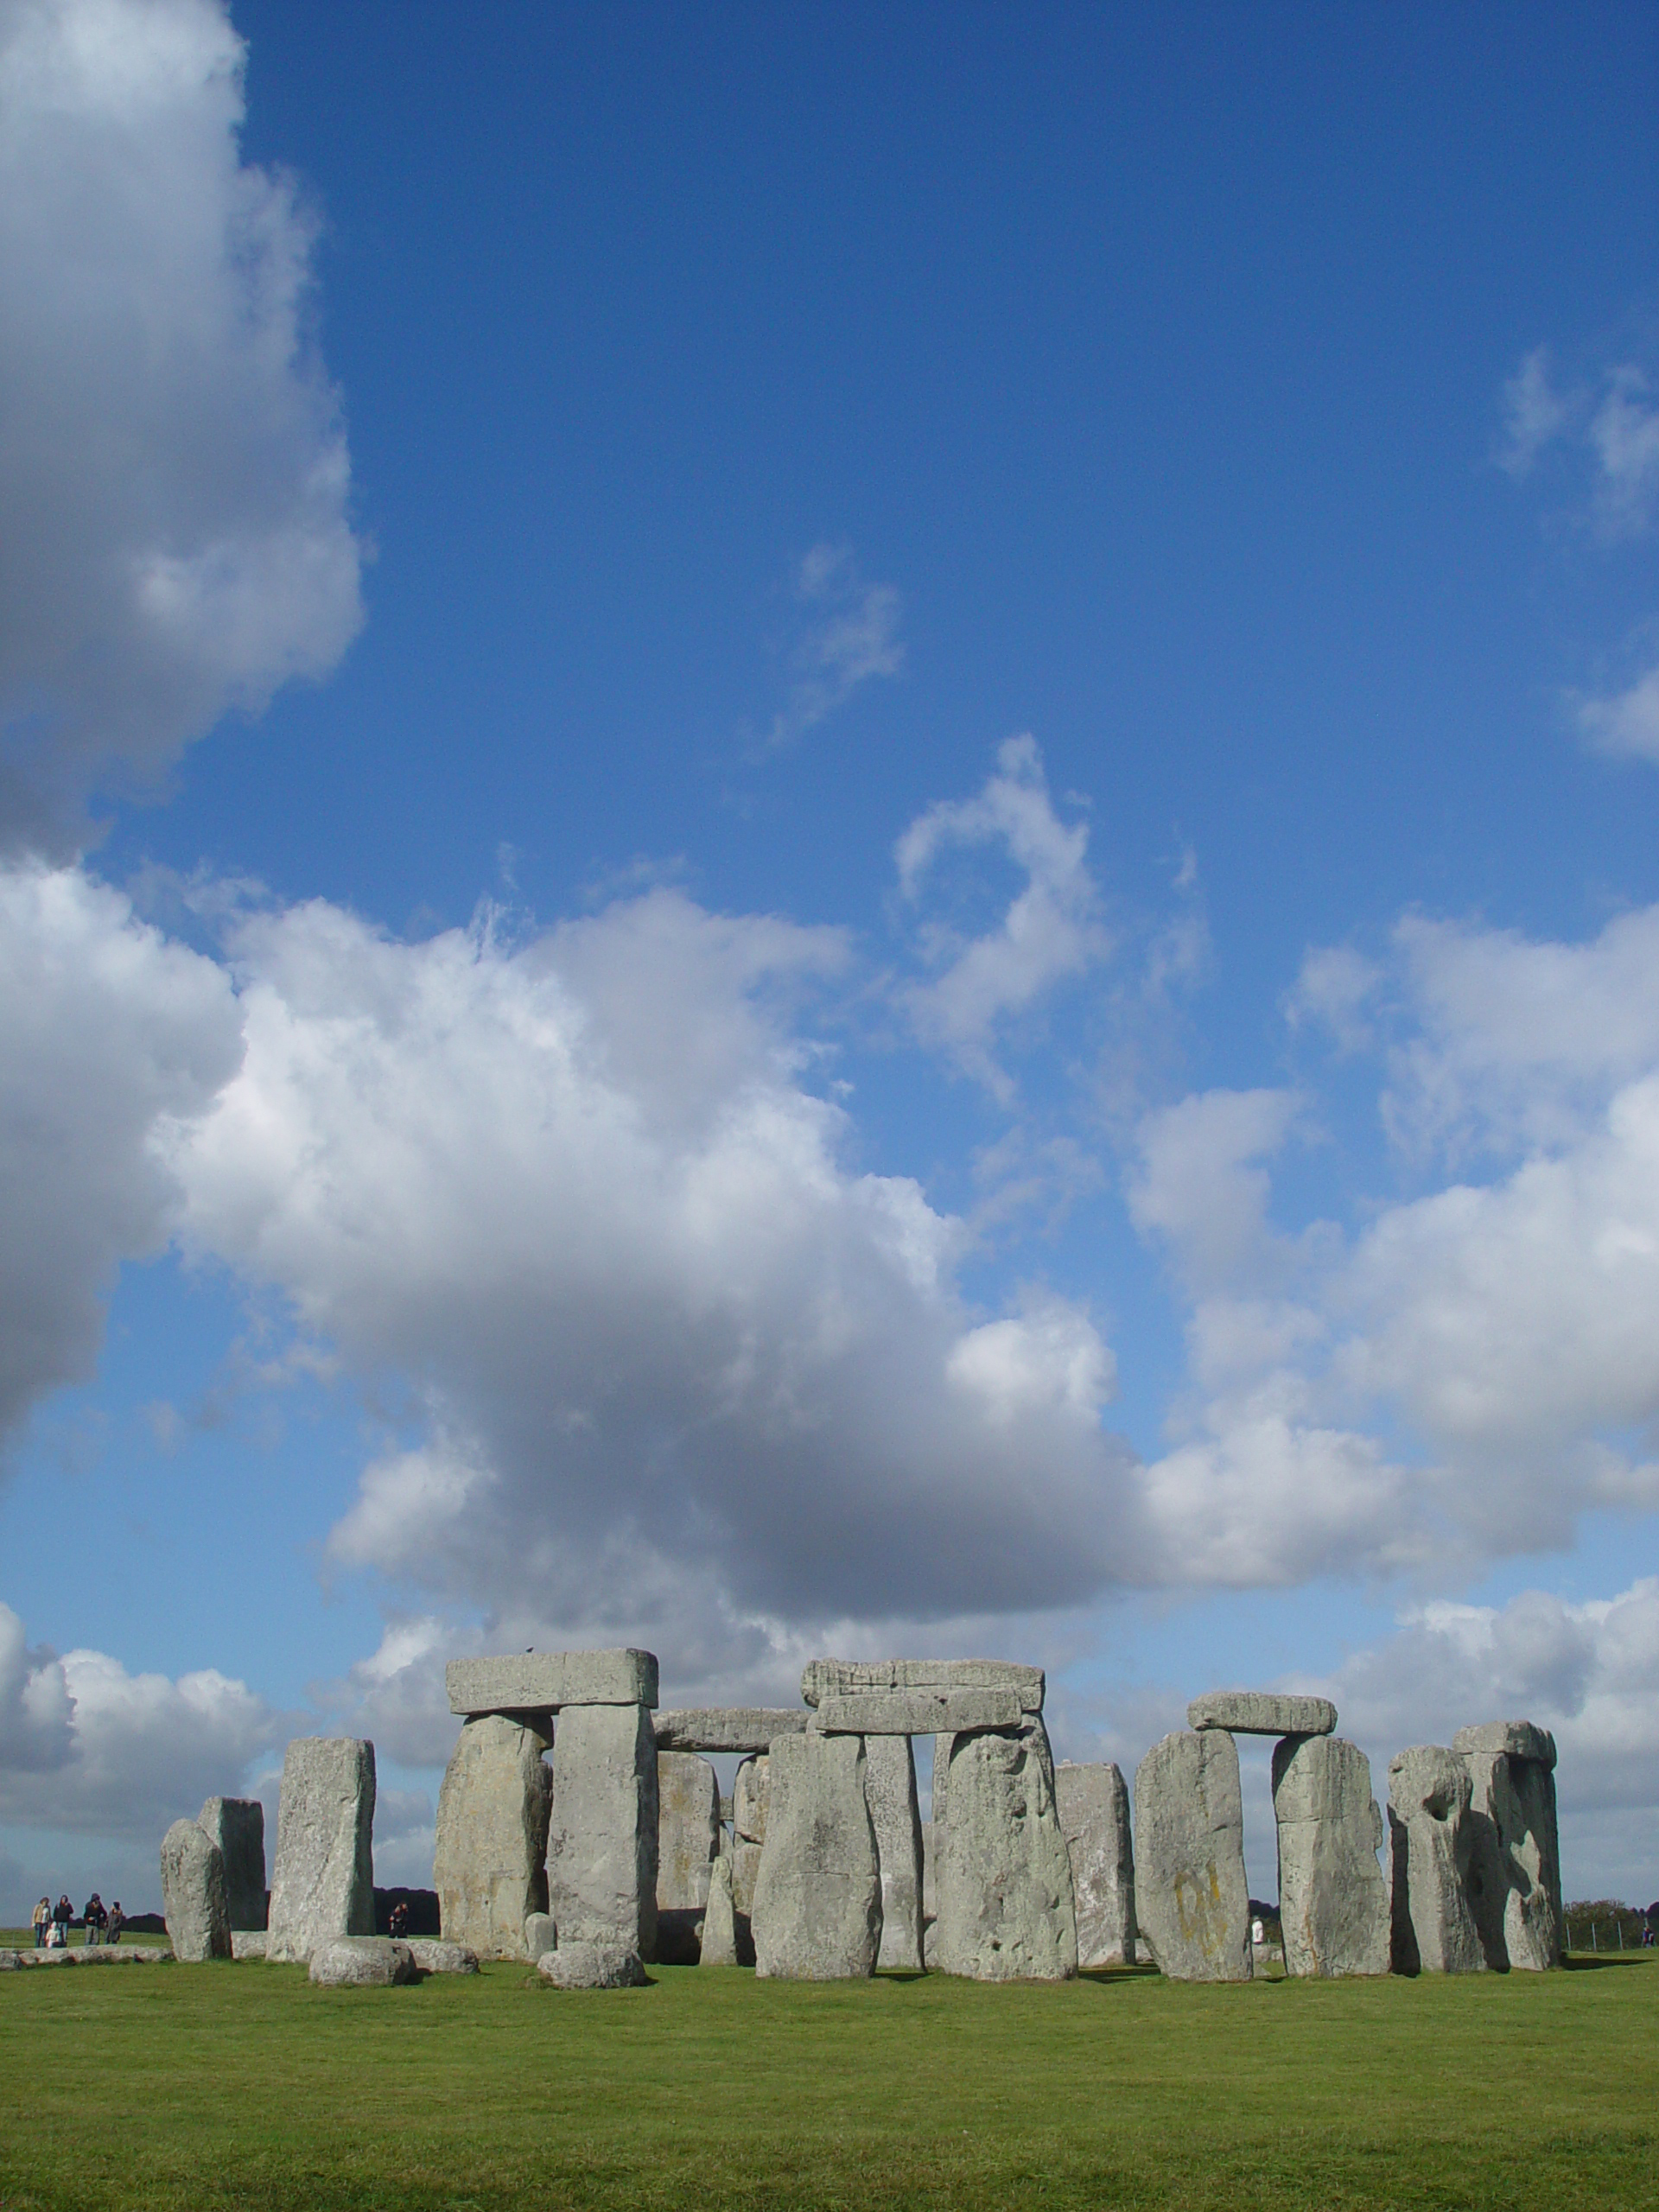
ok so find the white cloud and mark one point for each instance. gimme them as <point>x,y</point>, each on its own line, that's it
<point>37,1711</point>
<point>850,634</point>
<point>1624,432</point>
<point>1198,1183</point>
<point>172,468</point>
<point>1049,931</point>
<point>1534,414</point>
<point>1625,726</point>
<point>1334,988</point>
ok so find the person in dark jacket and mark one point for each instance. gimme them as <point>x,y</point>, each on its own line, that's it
<point>62,1913</point>
<point>95,1917</point>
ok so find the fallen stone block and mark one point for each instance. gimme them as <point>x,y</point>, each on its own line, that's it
<point>1094,1807</point>
<point>1006,1907</point>
<point>546,1681</point>
<point>1191,1903</point>
<point>1262,1713</point>
<point>361,1963</point>
<point>1514,1879</point>
<point>540,1934</point>
<point>890,1792</point>
<point>1333,1904</point>
<point>323,1882</point>
<point>247,1942</point>
<point>727,1728</point>
<point>193,1900</point>
<point>591,1966</point>
<point>816,1915</point>
<point>602,1851</point>
<point>855,1677</point>
<point>489,1860</point>
<point>236,1825</point>
<point>1431,1842</point>
<point>1515,1739</point>
<point>917,1712</point>
<point>432,1955</point>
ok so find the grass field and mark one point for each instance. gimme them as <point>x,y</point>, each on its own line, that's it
<point>242,2085</point>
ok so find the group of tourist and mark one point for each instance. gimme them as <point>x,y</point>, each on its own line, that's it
<point>103,1923</point>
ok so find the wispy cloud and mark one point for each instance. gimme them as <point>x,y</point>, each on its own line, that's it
<point>849,634</point>
<point>1534,413</point>
<point>1625,724</point>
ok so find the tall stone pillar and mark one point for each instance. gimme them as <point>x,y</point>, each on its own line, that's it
<point>1514,1872</point>
<point>323,1882</point>
<point>688,1843</point>
<point>818,1898</point>
<point>1333,1905</point>
<point>890,1791</point>
<point>1431,1844</point>
<point>1094,1804</point>
<point>601,1854</point>
<point>1006,1907</point>
<point>1191,1903</point>
<point>236,1825</point>
<point>489,1861</point>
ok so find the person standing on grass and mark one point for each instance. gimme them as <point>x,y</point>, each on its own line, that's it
<point>62,1913</point>
<point>95,1917</point>
<point>42,1920</point>
<point>115,1922</point>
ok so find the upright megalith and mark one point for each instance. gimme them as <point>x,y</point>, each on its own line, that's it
<point>1094,1804</point>
<point>688,1843</point>
<point>1431,1844</point>
<point>1191,1902</point>
<point>1514,1872</point>
<point>1007,1910</point>
<point>717,1944</point>
<point>816,1915</point>
<point>751,1795</point>
<point>194,1894</point>
<point>236,1825</point>
<point>489,1863</point>
<point>323,1882</point>
<point>1333,1904</point>
<point>890,1792</point>
<point>602,1851</point>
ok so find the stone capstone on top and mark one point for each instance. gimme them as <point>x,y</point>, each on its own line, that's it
<point>855,1677</point>
<point>1515,1739</point>
<point>545,1681</point>
<point>745,1728</point>
<point>917,1712</point>
<point>1262,1713</point>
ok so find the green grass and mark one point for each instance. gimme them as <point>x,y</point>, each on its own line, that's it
<point>242,2085</point>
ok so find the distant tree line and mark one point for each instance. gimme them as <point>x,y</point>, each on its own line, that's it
<point>1607,1924</point>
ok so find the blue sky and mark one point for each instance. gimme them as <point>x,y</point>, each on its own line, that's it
<point>825,828</point>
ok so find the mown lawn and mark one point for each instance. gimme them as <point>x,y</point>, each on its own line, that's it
<point>242,2085</point>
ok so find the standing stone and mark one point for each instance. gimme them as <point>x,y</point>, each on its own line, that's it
<point>890,1791</point>
<point>1515,1877</point>
<point>1191,1903</point>
<point>601,1853</point>
<point>718,1947</point>
<point>1333,1906</point>
<point>489,1863</point>
<point>940,1777</point>
<point>1006,1907</point>
<point>688,1841</point>
<point>1094,1802</point>
<point>751,1794</point>
<point>1434,1928</point>
<point>817,1898</point>
<point>194,1896</point>
<point>236,1825</point>
<point>323,1884</point>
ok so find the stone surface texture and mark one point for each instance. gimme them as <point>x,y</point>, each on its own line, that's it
<point>433,1956</point>
<point>940,1777</point>
<point>1431,1843</point>
<point>591,1966</point>
<point>362,1963</point>
<point>718,1946</point>
<point>1192,1904</point>
<point>917,1712</point>
<point>247,1942</point>
<point>890,1793</point>
<point>817,1914</point>
<point>489,1862</point>
<point>1515,1865</point>
<point>1516,1740</point>
<point>1262,1713</point>
<point>1333,1904</point>
<point>194,1900</point>
<point>688,1841</point>
<point>601,1852</point>
<point>1094,1803</point>
<point>543,1681</point>
<point>751,1793</point>
<point>323,1882</point>
<point>728,1728</point>
<point>236,1825</point>
<point>851,1677</point>
<point>540,1934</point>
<point>1007,1910</point>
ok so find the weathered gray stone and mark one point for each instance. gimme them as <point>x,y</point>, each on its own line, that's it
<point>601,1852</point>
<point>718,1947</point>
<point>1431,1843</point>
<point>728,1728</point>
<point>1262,1713</point>
<point>917,1712</point>
<point>890,1792</point>
<point>816,1915</point>
<point>1516,1740</point>
<point>591,1966</point>
<point>489,1861</point>
<point>746,1872</point>
<point>751,1794</point>
<point>687,1840</point>
<point>941,1778</point>
<point>546,1681</point>
<point>1192,1904</point>
<point>236,1825</point>
<point>361,1963</point>
<point>1513,1879</point>
<point>193,1899</point>
<point>854,1677</point>
<point>1333,1906</point>
<point>1094,1803</point>
<point>247,1942</point>
<point>540,1934</point>
<point>1006,1907</point>
<point>433,1957</point>
<point>323,1882</point>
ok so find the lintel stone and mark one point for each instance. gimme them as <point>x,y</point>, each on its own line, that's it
<point>859,1677</point>
<point>918,1713</point>
<point>1516,1740</point>
<point>746,1728</point>
<point>543,1681</point>
<point>1262,1713</point>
